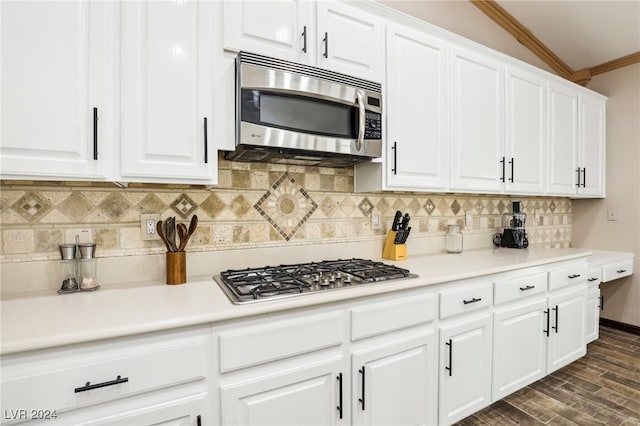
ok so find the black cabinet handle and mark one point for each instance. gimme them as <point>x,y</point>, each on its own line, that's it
<point>548,314</point>
<point>326,48</point>
<point>95,133</point>
<point>584,177</point>
<point>572,276</point>
<point>199,420</point>
<point>89,386</point>
<point>361,371</point>
<point>395,158</point>
<point>601,303</point>
<point>529,287</point>
<point>511,162</point>
<point>473,300</point>
<point>620,271</point>
<point>450,367</point>
<point>206,143</point>
<point>503,170</point>
<point>339,407</point>
<point>555,328</point>
<point>304,39</point>
<point>578,171</point>
<point>592,279</point>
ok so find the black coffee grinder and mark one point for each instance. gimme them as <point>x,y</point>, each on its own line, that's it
<point>514,234</point>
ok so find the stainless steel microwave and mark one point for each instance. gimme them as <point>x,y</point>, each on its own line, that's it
<point>298,114</point>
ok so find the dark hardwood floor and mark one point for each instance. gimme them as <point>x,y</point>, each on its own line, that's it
<point>602,388</point>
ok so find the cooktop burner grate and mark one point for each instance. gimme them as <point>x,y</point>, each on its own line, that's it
<point>253,284</point>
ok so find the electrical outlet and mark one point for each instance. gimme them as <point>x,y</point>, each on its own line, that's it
<point>612,215</point>
<point>536,216</point>
<point>376,220</point>
<point>148,226</point>
<point>468,218</point>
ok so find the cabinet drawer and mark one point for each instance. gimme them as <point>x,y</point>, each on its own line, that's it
<point>567,276</point>
<point>253,345</point>
<point>517,288</point>
<point>594,275</point>
<point>383,317</point>
<point>65,379</point>
<point>617,270</point>
<point>465,299</point>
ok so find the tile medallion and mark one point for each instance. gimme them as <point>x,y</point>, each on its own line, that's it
<point>286,206</point>
<point>429,206</point>
<point>552,206</point>
<point>184,206</point>
<point>31,206</point>
<point>365,206</point>
<point>455,207</point>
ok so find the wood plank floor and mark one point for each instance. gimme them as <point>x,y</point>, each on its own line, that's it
<point>602,388</point>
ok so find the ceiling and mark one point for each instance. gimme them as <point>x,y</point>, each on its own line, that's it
<point>581,33</point>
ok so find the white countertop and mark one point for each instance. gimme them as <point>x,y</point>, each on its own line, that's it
<point>600,257</point>
<point>44,321</point>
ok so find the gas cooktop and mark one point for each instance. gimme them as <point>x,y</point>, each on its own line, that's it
<point>271,282</point>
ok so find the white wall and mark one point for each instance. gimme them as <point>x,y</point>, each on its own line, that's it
<point>590,226</point>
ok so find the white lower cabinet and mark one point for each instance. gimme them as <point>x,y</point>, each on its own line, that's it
<point>465,366</point>
<point>519,346</point>
<point>293,394</point>
<point>566,322</point>
<point>395,383</point>
<point>592,308</point>
<point>151,379</point>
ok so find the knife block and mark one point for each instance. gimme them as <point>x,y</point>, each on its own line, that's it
<point>176,267</point>
<point>393,251</point>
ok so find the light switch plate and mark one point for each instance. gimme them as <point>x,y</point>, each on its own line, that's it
<point>376,220</point>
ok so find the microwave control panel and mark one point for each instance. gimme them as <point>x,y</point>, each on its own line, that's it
<point>373,126</point>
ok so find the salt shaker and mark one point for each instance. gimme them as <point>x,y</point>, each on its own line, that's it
<point>454,239</point>
<point>87,267</point>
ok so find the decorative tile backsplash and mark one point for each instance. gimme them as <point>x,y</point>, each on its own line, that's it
<point>254,205</point>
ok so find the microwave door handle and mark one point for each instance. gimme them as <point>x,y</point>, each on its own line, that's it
<point>361,119</point>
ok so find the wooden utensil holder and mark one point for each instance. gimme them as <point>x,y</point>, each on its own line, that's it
<point>176,267</point>
<point>393,251</point>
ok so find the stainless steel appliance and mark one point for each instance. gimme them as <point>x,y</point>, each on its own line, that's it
<point>297,114</point>
<point>272,282</point>
<point>514,234</point>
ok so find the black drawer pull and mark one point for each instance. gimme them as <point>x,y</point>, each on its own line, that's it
<point>95,133</point>
<point>339,407</point>
<point>573,276</point>
<point>547,312</point>
<point>529,287</point>
<point>620,271</point>
<point>473,300</point>
<point>199,420</point>
<point>361,371</point>
<point>593,279</point>
<point>206,143</point>
<point>557,309</point>
<point>89,386</point>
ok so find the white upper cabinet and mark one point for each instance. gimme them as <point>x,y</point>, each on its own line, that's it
<point>167,93</point>
<point>591,147</point>
<point>328,34</point>
<point>57,69</point>
<point>350,40</point>
<point>576,157</point>
<point>563,138</point>
<point>477,122</point>
<point>282,29</point>
<point>416,110</point>
<point>526,132</point>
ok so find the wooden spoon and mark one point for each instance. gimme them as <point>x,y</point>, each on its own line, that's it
<point>183,234</point>
<point>160,232</point>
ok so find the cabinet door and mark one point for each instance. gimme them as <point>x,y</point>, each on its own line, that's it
<point>591,146</point>
<point>592,314</point>
<point>282,29</point>
<point>526,132</point>
<point>310,395</point>
<point>56,68</point>
<point>350,41</point>
<point>477,117</point>
<point>563,138</point>
<point>416,110</point>
<point>166,76</point>
<point>465,367</point>
<point>519,347</point>
<point>566,337</point>
<point>395,383</point>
